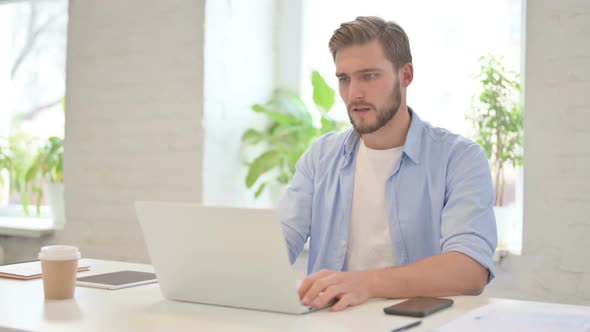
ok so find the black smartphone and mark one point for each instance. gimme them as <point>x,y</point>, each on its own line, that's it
<point>418,306</point>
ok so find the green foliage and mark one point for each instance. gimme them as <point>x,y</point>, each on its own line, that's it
<point>18,153</point>
<point>30,165</point>
<point>497,116</point>
<point>4,157</point>
<point>290,132</point>
<point>49,160</point>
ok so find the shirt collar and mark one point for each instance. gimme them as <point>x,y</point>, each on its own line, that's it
<point>414,137</point>
<point>411,146</point>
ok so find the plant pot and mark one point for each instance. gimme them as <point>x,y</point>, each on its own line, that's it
<point>55,196</point>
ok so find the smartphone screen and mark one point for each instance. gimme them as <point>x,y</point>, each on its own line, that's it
<point>418,306</point>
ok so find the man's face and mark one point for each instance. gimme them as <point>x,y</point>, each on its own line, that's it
<point>369,86</point>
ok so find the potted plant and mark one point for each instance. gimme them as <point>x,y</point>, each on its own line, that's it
<point>19,153</point>
<point>291,129</point>
<point>34,170</point>
<point>497,117</point>
<point>47,169</point>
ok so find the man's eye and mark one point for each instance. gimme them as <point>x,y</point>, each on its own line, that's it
<point>343,79</point>
<point>370,76</point>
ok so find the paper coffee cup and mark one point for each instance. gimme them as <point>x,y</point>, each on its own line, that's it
<point>59,265</point>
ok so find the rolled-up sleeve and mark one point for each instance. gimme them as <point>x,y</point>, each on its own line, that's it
<point>468,222</point>
<point>294,208</point>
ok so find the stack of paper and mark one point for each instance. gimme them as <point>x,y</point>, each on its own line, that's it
<point>29,270</point>
<point>519,317</point>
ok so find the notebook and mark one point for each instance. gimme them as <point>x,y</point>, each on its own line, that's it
<point>29,270</point>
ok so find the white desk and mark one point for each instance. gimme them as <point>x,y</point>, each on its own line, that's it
<point>143,308</point>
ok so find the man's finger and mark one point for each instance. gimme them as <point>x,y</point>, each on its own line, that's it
<point>318,287</point>
<point>344,302</point>
<point>327,296</point>
<point>308,282</point>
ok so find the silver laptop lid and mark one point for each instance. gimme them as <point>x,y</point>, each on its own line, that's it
<point>219,255</point>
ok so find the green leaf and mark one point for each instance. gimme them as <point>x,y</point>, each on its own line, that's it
<point>323,94</point>
<point>252,136</point>
<point>496,114</point>
<point>281,118</point>
<point>25,201</point>
<point>264,163</point>
<point>290,131</point>
<point>260,190</point>
<point>39,192</point>
<point>328,125</point>
<point>58,174</point>
<point>288,102</point>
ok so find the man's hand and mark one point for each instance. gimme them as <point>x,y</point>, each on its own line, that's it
<point>448,274</point>
<point>349,288</point>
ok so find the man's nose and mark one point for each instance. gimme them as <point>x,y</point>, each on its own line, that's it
<point>356,91</point>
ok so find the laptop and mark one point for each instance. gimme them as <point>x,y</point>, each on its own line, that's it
<point>226,256</point>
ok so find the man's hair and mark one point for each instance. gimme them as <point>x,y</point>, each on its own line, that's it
<point>363,29</point>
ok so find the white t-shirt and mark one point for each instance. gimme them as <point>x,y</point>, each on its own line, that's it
<point>369,242</point>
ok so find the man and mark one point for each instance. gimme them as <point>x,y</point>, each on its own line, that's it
<point>394,207</point>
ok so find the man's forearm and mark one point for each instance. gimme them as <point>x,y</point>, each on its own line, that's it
<point>447,274</point>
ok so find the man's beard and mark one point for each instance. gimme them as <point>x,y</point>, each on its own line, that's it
<point>383,115</point>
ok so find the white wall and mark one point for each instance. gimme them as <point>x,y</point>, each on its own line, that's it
<point>555,264</point>
<point>133,128</point>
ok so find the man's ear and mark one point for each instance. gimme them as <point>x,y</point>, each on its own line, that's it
<point>406,74</point>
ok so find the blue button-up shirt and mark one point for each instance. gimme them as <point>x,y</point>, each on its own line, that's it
<point>439,198</point>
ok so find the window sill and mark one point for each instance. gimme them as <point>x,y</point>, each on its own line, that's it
<point>26,227</point>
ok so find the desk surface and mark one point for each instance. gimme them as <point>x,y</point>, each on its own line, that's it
<point>143,308</point>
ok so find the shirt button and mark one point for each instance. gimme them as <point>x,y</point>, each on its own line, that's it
<point>342,243</point>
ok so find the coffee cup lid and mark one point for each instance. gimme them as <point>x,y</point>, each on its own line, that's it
<point>59,253</point>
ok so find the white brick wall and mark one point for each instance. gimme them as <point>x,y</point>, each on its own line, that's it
<point>555,264</point>
<point>134,113</point>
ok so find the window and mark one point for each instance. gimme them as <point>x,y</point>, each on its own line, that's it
<point>446,44</point>
<point>32,77</point>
